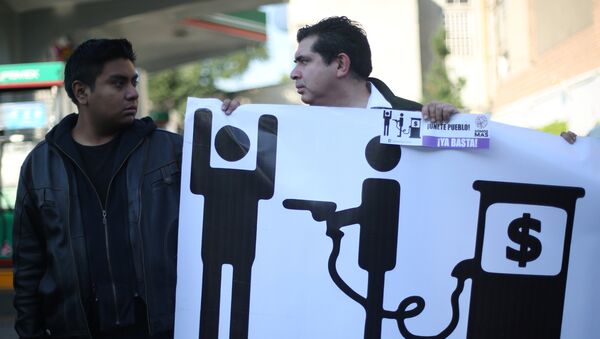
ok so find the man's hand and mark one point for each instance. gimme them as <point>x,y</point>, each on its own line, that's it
<point>438,111</point>
<point>230,105</point>
<point>569,136</point>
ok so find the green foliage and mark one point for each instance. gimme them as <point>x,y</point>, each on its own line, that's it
<point>438,86</point>
<point>555,127</point>
<point>169,89</point>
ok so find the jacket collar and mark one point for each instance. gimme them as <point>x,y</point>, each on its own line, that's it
<point>376,99</point>
<point>385,91</point>
<point>60,137</point>
<point>396,102</point>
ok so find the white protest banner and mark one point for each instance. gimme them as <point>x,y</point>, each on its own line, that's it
<point>296,222</point>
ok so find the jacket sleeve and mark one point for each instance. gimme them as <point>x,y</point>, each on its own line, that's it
<point>29,265</point>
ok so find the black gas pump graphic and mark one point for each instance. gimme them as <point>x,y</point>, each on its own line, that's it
<point>415,128</point>
<point>230,214</point>
<point>519,306</point>
<point>515,306</point>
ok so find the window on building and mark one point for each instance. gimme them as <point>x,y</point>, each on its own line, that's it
<point>458,22</point>
<point>502,54</point>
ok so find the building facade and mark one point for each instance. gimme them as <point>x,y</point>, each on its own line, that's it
<point>529,62</point>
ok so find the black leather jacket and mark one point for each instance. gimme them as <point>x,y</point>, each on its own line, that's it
<point>50,262</point>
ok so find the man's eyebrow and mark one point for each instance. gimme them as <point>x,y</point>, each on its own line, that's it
<point>300,58</point>
<point>122,77</point>
<point>117,77</point>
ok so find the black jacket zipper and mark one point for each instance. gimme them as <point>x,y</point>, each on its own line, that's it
<point>104,219</point>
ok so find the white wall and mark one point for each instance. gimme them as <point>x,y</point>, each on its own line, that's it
<point>574,101</point>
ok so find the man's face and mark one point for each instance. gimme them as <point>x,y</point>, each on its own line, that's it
<point>315,81</point>
<point>112,104</point>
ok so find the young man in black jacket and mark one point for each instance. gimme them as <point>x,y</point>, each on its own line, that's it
<point>333,64</point>
<point>97,210</point>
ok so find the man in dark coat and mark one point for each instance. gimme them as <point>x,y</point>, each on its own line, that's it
<point>96,215</point>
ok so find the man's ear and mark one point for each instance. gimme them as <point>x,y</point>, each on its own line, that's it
<point>81,91</point>
<point>343,64</point>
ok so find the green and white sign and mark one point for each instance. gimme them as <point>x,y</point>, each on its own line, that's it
<point>40,74</point>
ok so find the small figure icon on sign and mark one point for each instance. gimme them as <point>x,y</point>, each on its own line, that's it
<point>387,116</point>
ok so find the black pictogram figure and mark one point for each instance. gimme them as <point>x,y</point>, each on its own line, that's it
<point>519,306</point>
<point>414,129</point>
<point>400,124</point>
<point>387,116</point>
<point>378,220</point>
<point>230,214</point>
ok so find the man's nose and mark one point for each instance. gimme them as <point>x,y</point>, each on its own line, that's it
<point>132,93</point>
<point>295,74</point>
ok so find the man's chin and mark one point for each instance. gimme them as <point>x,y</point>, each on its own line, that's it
<point>129,121</point>
<point>306,99</point>
<point>126,122</point>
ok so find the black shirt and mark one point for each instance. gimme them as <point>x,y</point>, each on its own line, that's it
<point>98,165</point>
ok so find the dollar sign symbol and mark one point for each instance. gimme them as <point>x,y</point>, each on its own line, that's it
<point>530,246</point>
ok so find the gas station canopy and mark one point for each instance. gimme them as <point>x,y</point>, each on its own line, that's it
<point>164,33</point>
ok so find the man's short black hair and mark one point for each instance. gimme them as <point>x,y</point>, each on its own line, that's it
<point>89,58</point>
<point>336,35</point>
